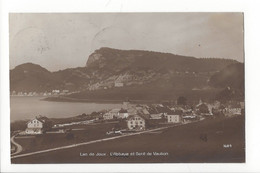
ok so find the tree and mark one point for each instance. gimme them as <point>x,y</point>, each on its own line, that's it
<point>182,101</point>
<point>203,108</point>
<point>225,95</point>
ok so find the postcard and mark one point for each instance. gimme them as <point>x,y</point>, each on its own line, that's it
<point>164,87</point>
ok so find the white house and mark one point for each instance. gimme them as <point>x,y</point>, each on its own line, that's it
<point>174,118</point>
<point>189,118</point>
<point>135,122</point>
<point>56,91</point>
<point>233,108</point>
<point>123,114</point>
<point>37,125</point>
<point>111,114</point>
<point>119,84</point>
<point>232,111</point>
<point>34,126</point>
<point>108,116</point>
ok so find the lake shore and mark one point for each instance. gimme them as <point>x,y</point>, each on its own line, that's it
<point>70,99</point>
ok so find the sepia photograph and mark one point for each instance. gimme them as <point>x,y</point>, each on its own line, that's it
<point>110,87</point>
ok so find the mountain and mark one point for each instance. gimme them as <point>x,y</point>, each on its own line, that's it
<point>136,67</point>
<point>31,77</point>
<point>116,74</point>
<point>130,60</point>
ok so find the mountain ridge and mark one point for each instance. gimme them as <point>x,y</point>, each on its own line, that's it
<point>107,67</point>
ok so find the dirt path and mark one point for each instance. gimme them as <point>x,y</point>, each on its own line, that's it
<point>19,148</point>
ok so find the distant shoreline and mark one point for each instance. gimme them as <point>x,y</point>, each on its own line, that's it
<point>69,99</point>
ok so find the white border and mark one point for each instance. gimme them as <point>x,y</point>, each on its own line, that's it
<point>252,60</point>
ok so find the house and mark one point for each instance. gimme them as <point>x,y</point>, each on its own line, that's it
<point>233,109</point>
<point>38,125</point>
<point>56,91</point>
<point>123,114</point>
<point>135,122</point>
<point>108,116</point>
<point>114,113</point>
<point>174,116</point>
<point>189,118</point>
<point>119,84</point>
<point>213,107</point>
<point>154,114</point>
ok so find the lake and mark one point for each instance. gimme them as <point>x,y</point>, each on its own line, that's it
<point>23,108</point>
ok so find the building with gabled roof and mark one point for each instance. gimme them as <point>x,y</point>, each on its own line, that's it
<point>123,113</point>
<point>136,122</point>
<point>174,116</point>
<point>38,125</point>
<point>114,113</point>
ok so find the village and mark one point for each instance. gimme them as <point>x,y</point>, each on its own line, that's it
<point>54,92</point>
<point>129,119</point>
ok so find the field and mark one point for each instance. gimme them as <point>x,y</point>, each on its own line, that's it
<point>224,143</point>
<point>81,133</point>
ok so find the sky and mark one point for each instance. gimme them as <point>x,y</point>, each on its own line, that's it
<point>58,41</point>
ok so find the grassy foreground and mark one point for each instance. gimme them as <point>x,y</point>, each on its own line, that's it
<point>182,144</point>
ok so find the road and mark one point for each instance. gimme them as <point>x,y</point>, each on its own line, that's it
<point>19,148</point>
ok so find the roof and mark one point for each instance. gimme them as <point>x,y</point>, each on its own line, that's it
<point>123,111</point>
<point>162,109</point>
<point>40,118</point>
<point>132,111</point>
<point>35,119</point>
<point>131,116</point>
<point>175,112</point>
<point>34,128</point>
<point>152,111</point>
<point>115,110</point>
<point>189,117</point>
<point>145,111</point>
<point>202,104</point>
<point>173,115</point>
